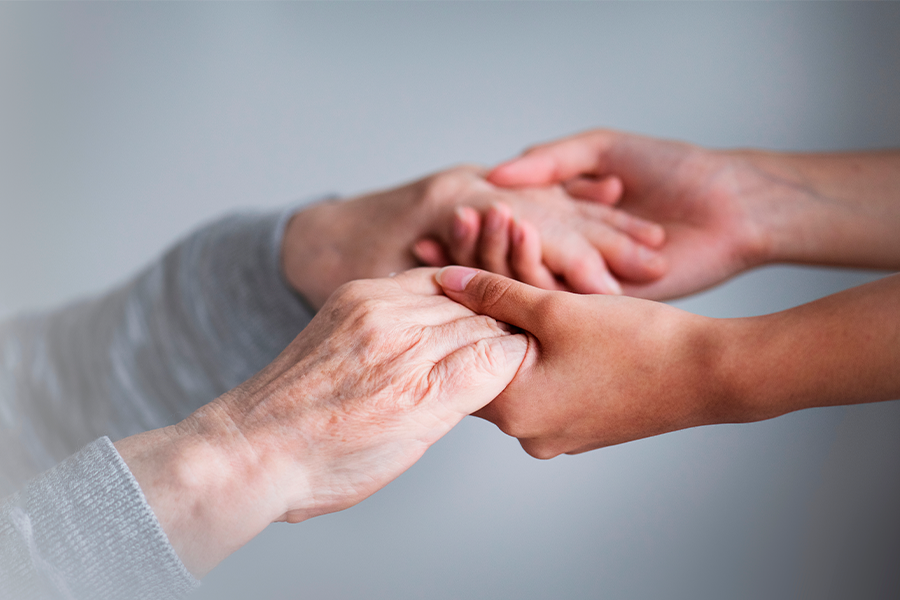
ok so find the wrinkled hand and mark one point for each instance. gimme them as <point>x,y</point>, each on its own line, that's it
<point>603,370</point>
<point>437,220</point>
<point>702,198</point>
<point>384,370</point>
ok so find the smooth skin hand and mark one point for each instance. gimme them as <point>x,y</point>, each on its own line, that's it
<point>384,370</point>
<point>605,370</point>
<point>725,211</point>
<point>374,235</point>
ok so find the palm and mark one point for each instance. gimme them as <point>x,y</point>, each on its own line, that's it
<point>692,193</point>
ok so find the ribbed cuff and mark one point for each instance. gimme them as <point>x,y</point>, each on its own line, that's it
<point>83,529</point>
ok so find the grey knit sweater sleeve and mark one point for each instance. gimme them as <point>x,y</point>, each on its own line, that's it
<point>207,316</point>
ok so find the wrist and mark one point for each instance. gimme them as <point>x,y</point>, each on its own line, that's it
<point>752,369</point>
<point>767,194</point>
<point>705,368</point>
<point>204,488</point>
<point>820,208</point>
<point>310,250</point>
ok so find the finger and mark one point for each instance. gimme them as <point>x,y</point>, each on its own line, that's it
<point>493,249</point>
<point>589,274</point>
<point>410,297</point>
<point>471,377</point>
<point>581,266</point>
<point>419,282</point>
<point>605,190</point>
<point>526,258</point>
<point>629,260</point>
<point>440,340</point>
<point>644,231</point>
<point>555,162</point>
<point>464,233</point>
<point>493,295</point>
<point>430,252</point>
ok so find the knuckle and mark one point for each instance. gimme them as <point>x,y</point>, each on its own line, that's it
<point>352,292</point>
<point>357,305</point>
<point>494,291</point>
<point>448,185</point>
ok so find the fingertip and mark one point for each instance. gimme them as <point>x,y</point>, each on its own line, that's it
<point>430,252</point>
<point>637,263</point>
<point>455,278</point>
<point>465,222</point>
<point>530,169</point>
<point>594,280</point>
<point>654,262</point>
<point>615,189</point>
<point>606,191</point>
<point>656,235</point>
<point>610,284</point>
<point>503,174</point>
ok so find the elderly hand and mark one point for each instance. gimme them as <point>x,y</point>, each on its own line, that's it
<point>436,220</point>
<point>384,370</point>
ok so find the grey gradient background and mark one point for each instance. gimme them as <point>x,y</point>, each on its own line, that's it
<point>122,127</point>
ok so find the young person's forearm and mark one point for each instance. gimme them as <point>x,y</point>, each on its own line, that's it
<point>842,349</point>
<point>832,209</point>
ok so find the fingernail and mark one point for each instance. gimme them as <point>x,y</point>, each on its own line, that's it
<point>612,286</point>
<point>455,278</point>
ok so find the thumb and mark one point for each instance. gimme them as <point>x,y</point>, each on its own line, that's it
<point>555,162</point>
<point>493,295</point>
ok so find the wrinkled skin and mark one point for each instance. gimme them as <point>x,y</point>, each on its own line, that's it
<point>384,370</point>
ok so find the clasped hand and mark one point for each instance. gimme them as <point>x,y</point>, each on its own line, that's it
<point>384,370</point>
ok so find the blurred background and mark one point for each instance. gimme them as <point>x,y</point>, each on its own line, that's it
<point>122,127</point>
